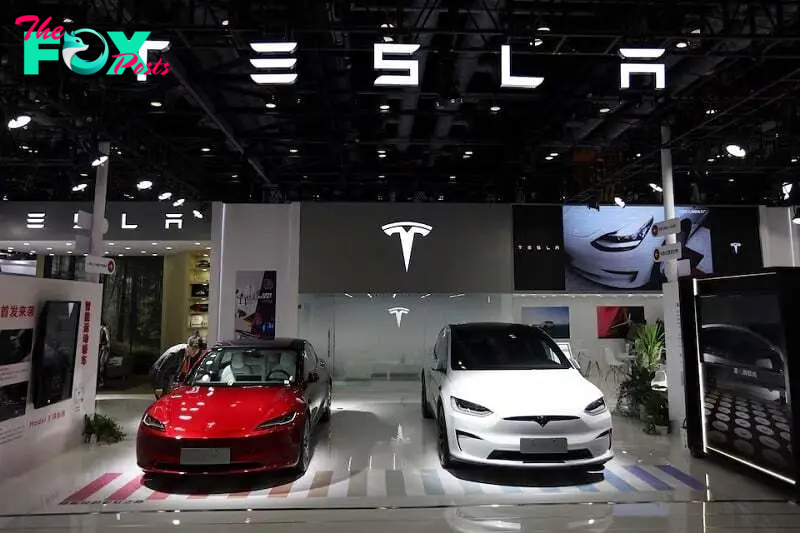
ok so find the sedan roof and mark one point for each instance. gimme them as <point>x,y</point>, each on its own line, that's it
<point>277,344</point>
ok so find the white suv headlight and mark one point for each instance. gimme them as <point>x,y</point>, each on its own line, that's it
<point>469,408</point>
<point>596,407</point>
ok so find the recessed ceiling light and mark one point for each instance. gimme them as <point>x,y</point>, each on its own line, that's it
<point>638,154</point>
<point>468,152</point>
<point>710,159</point>
<point>381,156</point>
<point>154,255</point>
<point>20,122</point>
<point>51,255</point>
<point>794,160</point>
<point>208,247</point>
<point>388,39</point>
<point>549,158</point>
<point>197,244</point>
<point>271,105</point>
<point>384,107</point>
<point>619,201</point>
<point>10,247</point>
<point>127,247</point>
<point>80,187</point>
<point>179,202</point>
<point>69,252</point>
<point>681,44</point>
<point>205,149</point>
<point>120,255</point>
<point>205,255</point>
<point>293,150</point>
<point>169,247</point>
<point>142,251</point>
<point>495,108</point>
<point>711,111</point>
<point>154,244</point>
<point>84,174</point>
<point>67,21</point>
<point>553,154</point>
<point>100,160</point>
<point>197,214</point>
<point>165,196</point>
<point>234,176</point>
<point>49,248</point>
<point>452,178</point>
<point>604,110</point>
<point>26,244</point>
<point>735,150</point>
<point>155,103</point>
<point>538,42</point>
<point>731,180</point>
<point>144,185</point>
<point>225,22</point>
<point>111,243</point>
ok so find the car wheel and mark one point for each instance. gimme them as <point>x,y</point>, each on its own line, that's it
<point>443,442</point>
<point>304,458</point>
<point>426,409</point>
<point>326,413</point>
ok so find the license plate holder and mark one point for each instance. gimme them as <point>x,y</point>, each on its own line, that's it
<point>555,446</point>
<point>205,456</point>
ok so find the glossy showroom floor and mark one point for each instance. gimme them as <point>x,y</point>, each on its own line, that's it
<point>375,466</point>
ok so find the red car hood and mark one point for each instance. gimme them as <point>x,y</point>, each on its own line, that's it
<point>223,412</point>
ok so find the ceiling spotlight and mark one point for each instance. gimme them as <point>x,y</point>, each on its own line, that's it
<point>638,154</point>
<point>604,110</point>
<point>179,202</point>
<point>468,152</point>
<point>731,180</point>
<point>100,161</point>
<point>386,25</point>
<point>711,111</point>
<point>79,187</point>
<point>681,44</point>
<point>388,39</point>
<point>165,196</point>
<point>384,107</point>
<point>787,190</point>
<point>794,160</point>
<point>127,247</point>
<point>381,151</point>
<point>205,149</point>
<point>543,29</point>
<point>656,187</point>
<point>619,201</point>
<point>67,20</point>
<point>549,158</point>
<point>271,105</point>
<point>381,156</point>
<point>155,103</point>
<point>225,22</point>
<point>20,122</point>
<point>553,154</point>
<point>735,150</point>
<point>197,214</point>
<point>144,185</point>
<point>452,178</point>
<point>495,108</point>
<point>169,247</point>
<point>711,159</point>
<point>536,42</point>
<point>84,174</point>
<point>142,251</point>
<point>293,150</point>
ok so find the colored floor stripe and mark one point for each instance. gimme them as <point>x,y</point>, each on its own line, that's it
<point>84,493</point>
<point>617,482</point>
<point>126,491</point>
<point>431,483</point>
<point>358,484</point>
<point>511,489</point>
<point>684,478</point>
<point>320,484</point>
<point>281,491</point>
<point>471,489</point>
<point>551,490</point>
<point>242,494</point>
<point>647,477</point>
<point>395,485</point>
<point>588,488</point>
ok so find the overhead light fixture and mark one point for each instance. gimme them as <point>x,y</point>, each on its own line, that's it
<point>67,20</point>
<point>197,214</point>
<point>681,45</point>
<point>179,202</point>
<point>271,105</point>
<point>543,29</point>
<point>100,161</point>
<point>348,295</point>
<point>80,187</point>
<point>84,174</point>
<point>549,158</point>
<point>19,122</point>
<point>731,180</point>
<point>205,149</point>
<point>381,151</point>
<point>110,244</point>
<point>553,154</point>
<point>786,188</point>
<point>619,201</point>
<point>537,42</point>
<point>381,156</point>
<point>142,251</point>
<point>293,150</point>
<point>495,108</point>
<point>144,185</point>
<point>468,152</point>
<point>169,247</point>
<point>197,244</point>
<point>604,110</point>
<point>452,178</point>
<point>736,151</point>
<point>388,39</point>
<point>794,160</point>
<point>656,187</point>
<point>711,111</point>
<point>165,196</point>
<point>225,22</point>
<point>127,247</point>
<point>384,107</point>
<point>155,103</point>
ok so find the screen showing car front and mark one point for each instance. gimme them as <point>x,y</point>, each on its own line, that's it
<point>230,367</point>
<point>503,348</point>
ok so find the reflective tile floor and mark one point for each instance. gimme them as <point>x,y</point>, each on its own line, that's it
<point>378,452</point>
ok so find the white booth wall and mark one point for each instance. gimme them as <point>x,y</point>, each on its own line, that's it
<point>39,435</point>
<point>780,239</point>
<point>253,237</point>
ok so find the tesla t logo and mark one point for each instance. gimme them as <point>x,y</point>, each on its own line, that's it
<point>735,247</point>
<point>541,420</point>
<point>407,232</point>
<point>398,313</point>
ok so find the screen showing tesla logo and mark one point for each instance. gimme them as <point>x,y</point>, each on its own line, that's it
<point>735,247</point>
<point>398,313</point>
<point>407,231</point>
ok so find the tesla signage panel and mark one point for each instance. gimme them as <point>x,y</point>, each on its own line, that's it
<point>538,248</point>
<point>747,408</point>
<point>612,248</point>
<point>399,247</point>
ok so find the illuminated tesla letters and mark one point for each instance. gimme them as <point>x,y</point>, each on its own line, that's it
<point>407,232</point>
<point>514,82</point>
<point>411,66</point>
<point>284,64</point>
<point>627,69</point>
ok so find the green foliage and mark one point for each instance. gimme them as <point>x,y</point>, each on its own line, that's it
<point>636,395</point>
<point>648,346</point>
<point>103,428</point>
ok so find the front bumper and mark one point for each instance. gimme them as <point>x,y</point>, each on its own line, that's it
<point>493,440</point>
<point>157,453</point>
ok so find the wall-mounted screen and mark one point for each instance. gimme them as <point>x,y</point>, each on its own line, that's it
<point>54,352</point>
<point>554,320</point>
<point>616,322</point>
<point>538,248</point>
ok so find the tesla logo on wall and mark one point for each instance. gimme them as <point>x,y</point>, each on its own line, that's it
<point>398,313</point>
<point>407,232</point>
<point>735,247</point>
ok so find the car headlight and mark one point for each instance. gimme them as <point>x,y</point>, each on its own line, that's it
<point>152,422</point>
<point>469,408</point>
<point>596,407</point>
<point>622,241</point>
<point>280,421</point>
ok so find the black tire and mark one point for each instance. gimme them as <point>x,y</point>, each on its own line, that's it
<point>443,442</point>
<point>304,458</point>
<point>426,409</point>
<point>326,412</point>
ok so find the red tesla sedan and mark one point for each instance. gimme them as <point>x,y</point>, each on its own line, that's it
<point>246,406</point>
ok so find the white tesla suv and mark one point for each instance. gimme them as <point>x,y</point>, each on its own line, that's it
<point>506,395</point>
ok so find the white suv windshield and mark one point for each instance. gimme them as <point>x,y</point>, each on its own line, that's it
<point>504,348</point>
<point>245,366</point>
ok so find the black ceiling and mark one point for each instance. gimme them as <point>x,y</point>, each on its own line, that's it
<point>732,77</point>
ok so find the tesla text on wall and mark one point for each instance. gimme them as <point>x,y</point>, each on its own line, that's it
<point>39,44</point>
<point>407,232</point>
<point>277,59</point>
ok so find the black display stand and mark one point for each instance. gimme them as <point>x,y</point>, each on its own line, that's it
<point>741,341</point>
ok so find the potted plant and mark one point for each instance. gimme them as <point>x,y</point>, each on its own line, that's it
<point>636,395</point>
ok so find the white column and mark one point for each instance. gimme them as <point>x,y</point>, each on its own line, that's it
<point>99,206</point>
<point>668,195</point>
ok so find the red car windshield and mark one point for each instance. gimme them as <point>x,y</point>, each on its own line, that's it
<point>230,367</point>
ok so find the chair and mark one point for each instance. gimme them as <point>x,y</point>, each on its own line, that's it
<point>616,368</point>
<point>587,363</point>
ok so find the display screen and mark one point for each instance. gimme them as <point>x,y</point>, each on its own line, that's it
<point>611,248</point>
<point>552,320</point>
<point>54,352</point>
<point>15,345</point>
<point>13,400</point>
<point>743,355</point>
<point>539,258</point>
